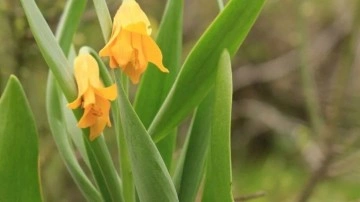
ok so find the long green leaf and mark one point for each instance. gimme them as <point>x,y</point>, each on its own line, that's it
<point>190,169</point>
<point>69,22</point>
<point>198,72</point>
<point>218,174</point>
<point>155,85</point>
<point>104,18</point>
<point>152,179</point>
<point>50,49</point>
<point>19,174</point>
<point>99,157</point>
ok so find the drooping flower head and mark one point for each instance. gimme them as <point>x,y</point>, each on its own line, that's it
<point>92,95</point>
<point>130,46</point>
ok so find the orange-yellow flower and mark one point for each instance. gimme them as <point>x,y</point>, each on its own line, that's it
<point>92,95</point>
<point>130,46</point>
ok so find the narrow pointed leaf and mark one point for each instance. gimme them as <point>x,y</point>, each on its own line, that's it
<point>218,172</point>
<point>50,49</point>
<point>19,174</point>
<point>190,170</point>
<point>197,75</point>
<point>69,22</point>
<point>152,179</point>
<point>102,12</point>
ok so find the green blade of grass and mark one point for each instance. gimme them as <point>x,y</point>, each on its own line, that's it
<point>19,175</point>
<point>151,177</point>
<point>218,171</point>
<point>198,72</point>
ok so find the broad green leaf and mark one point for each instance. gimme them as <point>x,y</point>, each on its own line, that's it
<point>99,157</point>
<point>151,177</point>
<point>197,75</point>
<point>190,169</point>
<point>19,174</point>
<point>155,85</point>
<point>218,172</point>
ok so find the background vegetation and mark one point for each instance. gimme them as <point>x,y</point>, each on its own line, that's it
<point>296,112</point>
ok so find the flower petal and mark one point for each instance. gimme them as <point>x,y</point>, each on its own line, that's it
<point>93,72</point>
<point>106,50</point>
<point>89,97</point>
<point>139,28</point>
<point>103,120</point>
<point>109,93</point>
<point>87,118</point>
<point>130,14</point>
<point>153,53</point>
<point>122,50</point>
<point>81,74</point>
<point>97,128</point>
<point>75,104</point>
<point>138,46</point>
<point>133,73</point>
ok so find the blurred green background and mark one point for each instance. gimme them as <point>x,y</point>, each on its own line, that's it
<point>296,110</point>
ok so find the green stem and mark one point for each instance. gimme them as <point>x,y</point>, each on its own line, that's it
<point>125,164</point>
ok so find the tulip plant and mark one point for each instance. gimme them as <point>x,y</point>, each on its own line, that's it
<point>87,90</point>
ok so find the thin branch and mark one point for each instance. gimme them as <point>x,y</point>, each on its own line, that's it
<point>317,176</point>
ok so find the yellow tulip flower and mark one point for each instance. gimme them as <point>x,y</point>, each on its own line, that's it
<point>92,95</point>
<point>130,46</point>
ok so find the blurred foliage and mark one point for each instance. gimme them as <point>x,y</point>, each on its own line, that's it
<point>274,147</point>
